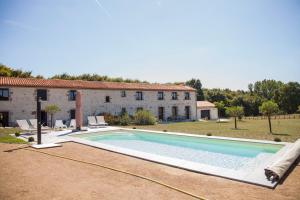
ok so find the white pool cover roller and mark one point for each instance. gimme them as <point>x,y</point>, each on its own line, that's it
<point>277,169</point>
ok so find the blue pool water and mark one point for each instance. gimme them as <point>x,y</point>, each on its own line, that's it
<point>216,152</point>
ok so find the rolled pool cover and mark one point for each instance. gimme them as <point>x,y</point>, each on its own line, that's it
<point>277,169</point>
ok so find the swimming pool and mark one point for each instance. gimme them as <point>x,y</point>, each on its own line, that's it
<point>231,158</point>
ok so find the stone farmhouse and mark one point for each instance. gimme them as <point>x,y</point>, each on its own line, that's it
<point>165,101</point>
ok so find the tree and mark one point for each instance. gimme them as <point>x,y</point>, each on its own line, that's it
<point>236,112</point>
<point>52,109</point>
<point>9,72</point>
<point>269,108</point>
<point>298,109</point>
<point>267,88</point>
<point>221,107</point>
<point>288,97</point>
<point>196,84</point>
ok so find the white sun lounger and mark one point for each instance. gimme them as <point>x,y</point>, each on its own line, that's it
<point>33,123</point>
<point>101,121</point>
<point>72,123</point>
<point>92,121</point>
<point>23,124</point>
<point>59,124</point>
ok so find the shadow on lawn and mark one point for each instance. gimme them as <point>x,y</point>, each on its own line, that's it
<point>280,134</point>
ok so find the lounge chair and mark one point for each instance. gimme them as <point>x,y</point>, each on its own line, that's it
<point>101,121</point>
<point>72,123</point>
<point>33,123</point>
<point>23,124</point>
<point>92,121</point>
<point>59,124</point>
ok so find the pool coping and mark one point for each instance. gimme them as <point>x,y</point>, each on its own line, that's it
<point>252,178</point>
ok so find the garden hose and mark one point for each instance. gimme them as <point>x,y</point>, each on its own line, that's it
<point>23,147</point>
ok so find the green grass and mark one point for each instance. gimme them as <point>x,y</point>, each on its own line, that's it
<point>6,138</point>
<point>286,129</point>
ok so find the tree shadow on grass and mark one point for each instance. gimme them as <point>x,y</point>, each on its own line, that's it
<point>239,129</point>
<point>280,134</point>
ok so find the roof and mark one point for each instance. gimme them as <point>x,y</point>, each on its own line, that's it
<point>205,104</point>
<point>78,84</point>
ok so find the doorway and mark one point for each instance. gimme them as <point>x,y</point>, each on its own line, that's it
<point>187,112</point>
<point>4,119</point>
<point>205,114</point>
<point>161,113</point>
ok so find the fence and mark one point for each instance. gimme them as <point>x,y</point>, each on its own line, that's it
<point>290,116</point>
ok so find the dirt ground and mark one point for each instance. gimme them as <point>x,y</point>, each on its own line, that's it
<point>31,175</point>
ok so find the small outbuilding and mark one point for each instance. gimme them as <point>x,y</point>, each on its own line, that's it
<point>206,110</point>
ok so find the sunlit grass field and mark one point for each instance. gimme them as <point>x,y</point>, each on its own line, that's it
<point>287,130</point>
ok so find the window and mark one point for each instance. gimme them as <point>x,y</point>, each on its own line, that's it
<point>123,93</point>
<point>72,95</point>
<point>42,94</point>
<point>139,108</point>
<point>174,96</point>
<point>160,95</point>
<point>187,96</point>
<point>123,111</point>
<point>72,114</point>
<point>139,96</point>
<point>174,112</point>
<point>4,94</point>
<point>107,99</point>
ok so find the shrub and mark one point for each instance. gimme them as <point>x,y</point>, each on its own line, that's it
<point>144,117</point>
<point>31,139</point>
<point>124,119</point>
<point>133,127</point>
<point>17,134</point>
<point>208,134</point>
<point>277,139</point>
<point>111,119</point>
<point>165,130</point>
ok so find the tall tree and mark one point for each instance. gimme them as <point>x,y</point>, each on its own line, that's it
<point>288,97</point>
<point>236,112</point>
<point>267,88</point>
<point>196,84</point>
<point>269,108</point>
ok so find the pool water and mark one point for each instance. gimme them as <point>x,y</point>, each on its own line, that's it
<point>221,153</point>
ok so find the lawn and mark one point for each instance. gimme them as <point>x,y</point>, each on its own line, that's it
<point>6,138</point>
<point>287,130</point>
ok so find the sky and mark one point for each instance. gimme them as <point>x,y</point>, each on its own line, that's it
<point>224,43</point>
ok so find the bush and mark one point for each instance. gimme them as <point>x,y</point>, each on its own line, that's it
<point>111,119</point>
<point>133,127</point>
<point>17,134</point>
<point>165,130</point>
<point>144,117</point>
<point>277,139</point>
<point>208,134</point>
<point>124,119</point>
<point>31,139</point>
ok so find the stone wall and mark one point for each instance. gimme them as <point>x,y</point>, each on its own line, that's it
<point>22,104</point>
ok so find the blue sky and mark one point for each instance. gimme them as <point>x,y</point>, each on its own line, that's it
<point>226,43</point>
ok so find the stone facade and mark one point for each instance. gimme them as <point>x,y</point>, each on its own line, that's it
<point>22,104</point>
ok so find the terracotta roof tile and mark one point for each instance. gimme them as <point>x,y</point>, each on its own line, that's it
<point>205,104</point>
<point>78,84</point>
